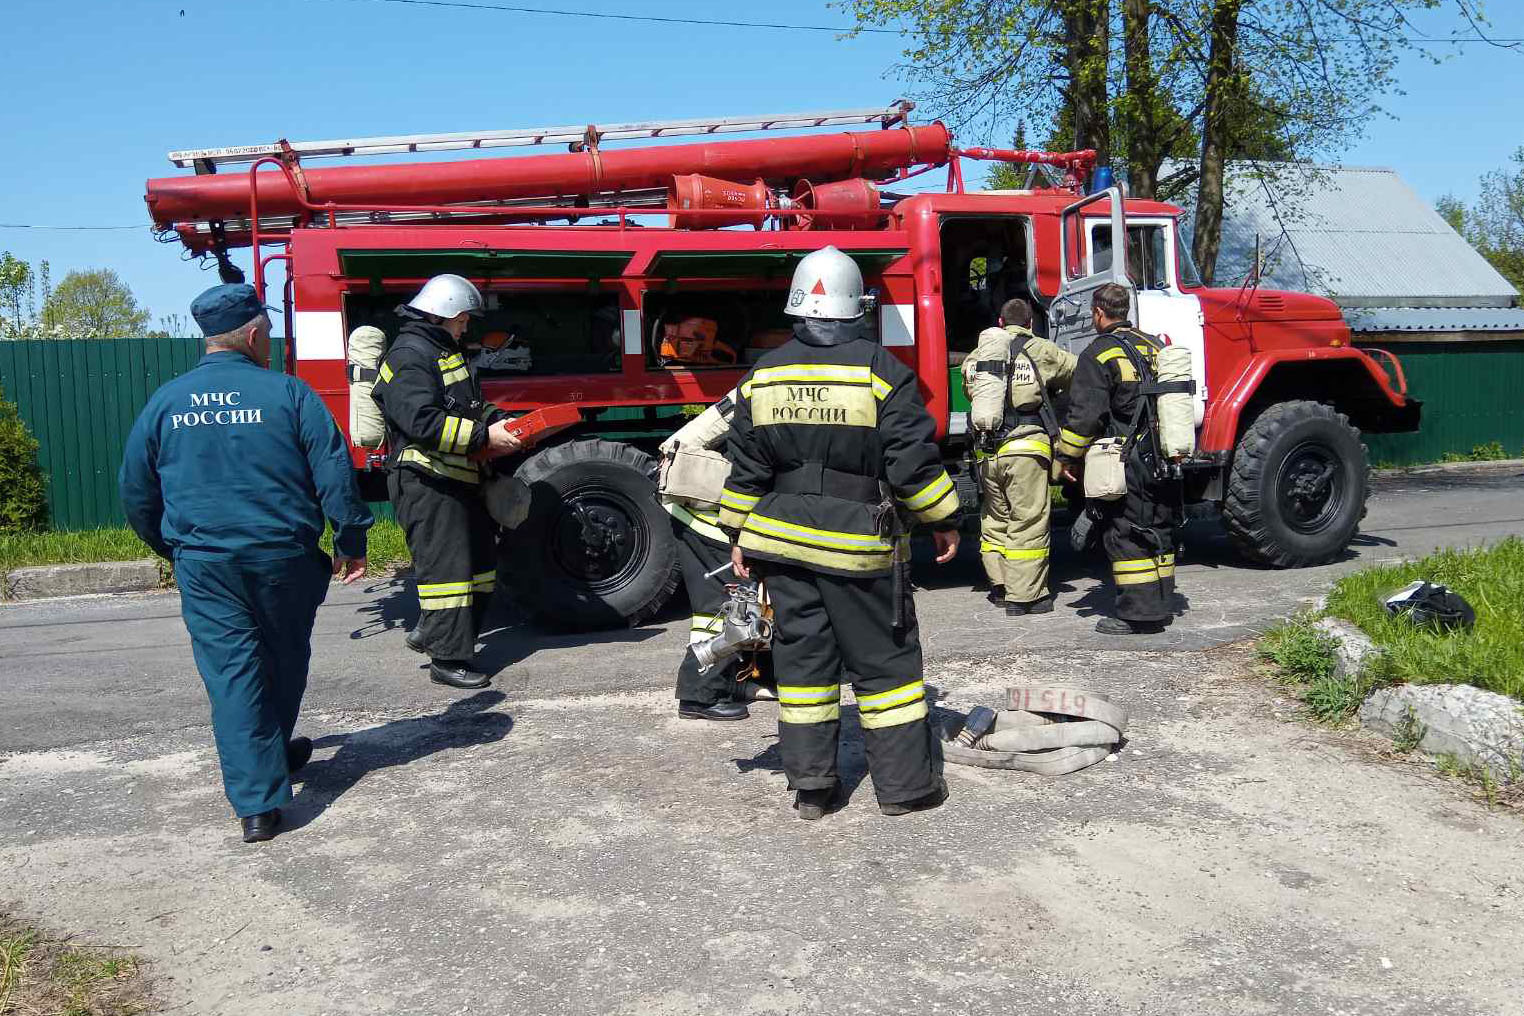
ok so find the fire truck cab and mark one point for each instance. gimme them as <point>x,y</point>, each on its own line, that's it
<point>597,264</point>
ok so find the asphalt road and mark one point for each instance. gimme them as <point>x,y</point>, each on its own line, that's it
<point>74,671</point>
<point>563,843</point>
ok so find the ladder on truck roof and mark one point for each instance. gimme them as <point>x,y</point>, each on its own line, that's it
<point>206,160</point>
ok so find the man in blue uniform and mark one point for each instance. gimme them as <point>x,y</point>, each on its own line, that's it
<point>229,472</point>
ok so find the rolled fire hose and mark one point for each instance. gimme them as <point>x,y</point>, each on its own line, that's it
<point>1048,731</point>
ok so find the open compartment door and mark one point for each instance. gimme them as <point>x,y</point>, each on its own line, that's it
<point>1069,314</point>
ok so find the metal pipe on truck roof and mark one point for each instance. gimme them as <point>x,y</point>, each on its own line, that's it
<point>871,154</point>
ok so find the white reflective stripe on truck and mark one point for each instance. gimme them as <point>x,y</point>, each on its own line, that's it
<point>896,324</point>
<point>319,334</point>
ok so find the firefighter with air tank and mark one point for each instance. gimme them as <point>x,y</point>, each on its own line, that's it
<point>1010,377</point>
<point>1112,402</point>
<point>833,453</point>
<point>440,432</point>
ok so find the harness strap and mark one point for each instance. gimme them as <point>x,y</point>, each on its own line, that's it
<point>817,478</point>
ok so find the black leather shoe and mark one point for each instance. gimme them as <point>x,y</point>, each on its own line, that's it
<point>926,802</point>
<point>298,754</point>
<point>718,711</point>
<point>457,674</point>
<point>1015,609</point>
<point>414,643</point>
<point>1117,626</point>
<point>1042,606</point>
<point>812,805</point>
<point>261,827</point>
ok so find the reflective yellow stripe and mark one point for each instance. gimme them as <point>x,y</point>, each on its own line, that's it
<point>443,588</point>
<point>740,502</point>
<point>1135,579</point>
<point>1025,554</point>
<point>731,519</point>
<point>445,602</point>
<point>879,701</point>
<point>808,372</point>
<point>815,537</point>
<point>1028,446</point>
<point>1166,566</point>
<point>808,694</point>
<point>1107,355</point>
<point>945,506</point>
<point>848,562</point>
<point>386,372</point>
<point>1135,564</point>
<point>454,467</point>
<point>701,627</point>
<point>809,714</point>
<point>929,494</point>
<point>447,433</point>
<point>1069,437</point>
<point>895,716</point>
<point>705,524</point>
<point>484,582</point>
<point>463,439</point>
<point>451,362</point>
<point>456,375</point>
<point>986,547</point>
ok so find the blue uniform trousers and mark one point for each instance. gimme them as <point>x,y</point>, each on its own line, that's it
<point>250,624</point>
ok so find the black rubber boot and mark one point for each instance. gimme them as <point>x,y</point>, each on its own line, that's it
<point>1015,610</point>
<point>813,805</point>
<point>457,674</point>
<point>1117,626</point>
<point>1042,606</point>
<point>412,642</point>
<point>718,711</point>
<point>926,802</point>
<point>996,595</point>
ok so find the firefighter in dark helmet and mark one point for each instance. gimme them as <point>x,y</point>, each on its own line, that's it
<point>1137,530</point>
<point>440,431</point>
<point>832,451</point>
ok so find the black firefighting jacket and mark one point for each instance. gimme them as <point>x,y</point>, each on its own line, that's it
<point>435,415</point>
<point>1104,394</point>
<point>828,439</point>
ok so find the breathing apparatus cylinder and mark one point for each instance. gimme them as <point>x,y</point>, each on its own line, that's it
<point>1176,410</point>
<point>986,386</point>
<point>367,427</point>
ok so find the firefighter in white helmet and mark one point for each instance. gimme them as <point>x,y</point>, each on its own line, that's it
<point>440,431</point>
<point>832,453</point>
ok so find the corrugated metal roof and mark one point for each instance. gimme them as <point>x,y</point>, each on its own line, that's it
<point>1358,235</point>
<point>1434,319</point>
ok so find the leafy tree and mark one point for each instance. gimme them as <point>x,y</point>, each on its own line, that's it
<point>1494,225</point>
<point>23,497</point>
<point>1205,80</point>
<point>15,289</point>
<point>94,304</point>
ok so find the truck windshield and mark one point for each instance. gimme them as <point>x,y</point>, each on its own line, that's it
<point>1147,254</point>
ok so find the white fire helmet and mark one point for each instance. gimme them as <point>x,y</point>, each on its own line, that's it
<point>445,296</point>
<point>827,284</point>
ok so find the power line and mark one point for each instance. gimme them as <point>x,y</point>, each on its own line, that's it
<point>649,18</point>
<point>784,27</point>
<point>30,225</point>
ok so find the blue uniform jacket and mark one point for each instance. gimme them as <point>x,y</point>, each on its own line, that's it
<point>233,460</point>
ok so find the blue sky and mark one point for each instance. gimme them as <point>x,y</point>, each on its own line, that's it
<point>92,94</point>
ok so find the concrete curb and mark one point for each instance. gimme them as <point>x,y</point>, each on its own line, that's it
<point>1482,466</point>
<point>54,580</point>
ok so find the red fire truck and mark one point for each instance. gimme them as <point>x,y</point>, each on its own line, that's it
<point>593,258</point>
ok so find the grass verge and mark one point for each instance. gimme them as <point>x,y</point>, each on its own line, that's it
<point>1303,660</point>
<point>1490,655</point>
<point>43,976</point>
<point>387,547</point>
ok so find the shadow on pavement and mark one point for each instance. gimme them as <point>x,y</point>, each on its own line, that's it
<point>464,722</point>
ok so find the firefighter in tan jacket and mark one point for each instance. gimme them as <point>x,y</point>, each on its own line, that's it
<point>1010,376</point>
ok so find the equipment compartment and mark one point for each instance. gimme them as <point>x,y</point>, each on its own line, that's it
<point>713,328</point>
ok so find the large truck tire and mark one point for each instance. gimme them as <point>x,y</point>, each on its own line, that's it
<point>1297,490</point>
<point>597,550</point>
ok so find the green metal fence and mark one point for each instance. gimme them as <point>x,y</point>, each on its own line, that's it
<point>1473,394</point>
<point>80,399</point>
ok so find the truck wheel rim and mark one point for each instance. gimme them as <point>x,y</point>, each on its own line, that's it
<point>599,538</point>
<point>1310,487</point>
